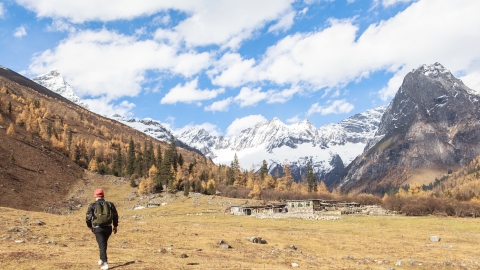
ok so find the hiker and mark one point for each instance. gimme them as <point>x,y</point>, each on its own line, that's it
<point>100,216</point>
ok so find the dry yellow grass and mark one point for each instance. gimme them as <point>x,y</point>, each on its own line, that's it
<point>194,226</point>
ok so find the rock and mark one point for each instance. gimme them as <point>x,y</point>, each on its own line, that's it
<point>435,238</point>
<point>390,268</point>
<point>225,246</point>
<point>447,262</point>
<point>294,265</point>
<point>39,222</point>
<point>293,247</point>
<point>183,256</point>
<point>221,242</point>
<point>252,239</point>
<point>162,250</point>
<point>399,263</point>
<point>447,246</point>
<point>199,249</point>
<point>19,241</point>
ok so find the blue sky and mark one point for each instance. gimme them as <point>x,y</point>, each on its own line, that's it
<point>227,65</point>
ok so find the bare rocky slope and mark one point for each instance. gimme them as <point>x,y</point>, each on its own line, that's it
<point>432,123</point>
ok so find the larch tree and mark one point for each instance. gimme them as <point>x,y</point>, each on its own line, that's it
<point>11,130</point>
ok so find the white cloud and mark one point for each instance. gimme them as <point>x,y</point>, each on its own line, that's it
<point>282,96</point>
<point>2,11</point>
<point>334,107</point>
<point>60,26</point>
<point>284,23</point>
<point>20,32</point>
<point>220,106</point>
<point>189,93</point>
<point>204,25</point>
<point>425,32</point>
<point>389,3</point>
<point>104,106</point>
<point>161,20</point>
<point>234,70</point>
<point>294,119</point>
<point>250,97</point>
<point>240,124</point>
<point>105,63</point>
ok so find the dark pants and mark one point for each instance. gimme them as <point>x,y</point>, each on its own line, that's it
<point>102,234</point>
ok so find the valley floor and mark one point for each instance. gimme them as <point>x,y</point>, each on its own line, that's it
<point>157,237</point>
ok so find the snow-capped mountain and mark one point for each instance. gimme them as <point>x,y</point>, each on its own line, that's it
<point>152,128</point>
<point>54,81</point>
<point>329,149</point>
<point>431,126</point>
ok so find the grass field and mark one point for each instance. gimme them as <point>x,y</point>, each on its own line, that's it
<point>194,226</point>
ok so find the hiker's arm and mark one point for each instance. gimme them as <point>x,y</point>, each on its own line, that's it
<point>88,218</point>
<point>115,216</point>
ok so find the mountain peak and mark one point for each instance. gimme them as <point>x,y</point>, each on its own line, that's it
<point>55,82</point>
<point>432,69</point>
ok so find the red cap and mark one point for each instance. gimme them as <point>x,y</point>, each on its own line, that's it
<point>98,193</point>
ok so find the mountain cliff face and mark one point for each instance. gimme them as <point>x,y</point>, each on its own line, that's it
<point>329,149</point>
<point>432,123</point>
<point>55,82</point>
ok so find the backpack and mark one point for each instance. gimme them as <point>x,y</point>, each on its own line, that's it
<point>103,214</point>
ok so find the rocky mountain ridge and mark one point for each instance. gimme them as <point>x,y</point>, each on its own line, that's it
<point>431,124</point>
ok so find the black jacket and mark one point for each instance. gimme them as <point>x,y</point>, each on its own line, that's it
<point>91,211</point>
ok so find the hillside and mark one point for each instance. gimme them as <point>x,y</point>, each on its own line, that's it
<point>53,141</point>
<point>430,127</point>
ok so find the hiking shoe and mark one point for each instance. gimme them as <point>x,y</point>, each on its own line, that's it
<point>105,266</point>
<point>100,262</point>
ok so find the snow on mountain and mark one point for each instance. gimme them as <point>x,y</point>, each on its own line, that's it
<point>298,143</point>
<point>148,126</point>
<point>54,82</point>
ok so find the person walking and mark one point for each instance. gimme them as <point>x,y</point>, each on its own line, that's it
<point>101,215</point>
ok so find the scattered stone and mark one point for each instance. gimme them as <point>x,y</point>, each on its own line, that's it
<point>447,262</point>
<point>169,249</point>
<point>293,247</point>
<point>390,268</point>
<point>39,222</point>
<point>295,265</point>
<point>221,242</point>
<point>350,257</point>
<point>162,250</point>
<point>435,238</point>
<point>19,241</point>
<point>447,246</point>
<point>225,246</point>
<point>199,249</point>
<point>183,256</point>
<point>399,263</point>
<point>18,229</point>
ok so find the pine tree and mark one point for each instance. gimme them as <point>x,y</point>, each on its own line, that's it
<point>180,160</point>
<point>263,170</point>
<point>311,180</point>
<point>149,155</point>
<point>130,158</point>
<point>158,160</point>
<point>139,164</point>
<point>117,165</point>
<point>186,188</point>
<point>9,108</point>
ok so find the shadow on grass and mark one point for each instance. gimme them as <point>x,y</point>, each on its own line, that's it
<point>121,265</point>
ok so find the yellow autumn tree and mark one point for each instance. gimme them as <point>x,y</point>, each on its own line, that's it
<point>11,130</point>
<point>93,165</point>
<point>268,182</point>
<point>415,189</point>
<point>256,191</point>
<point>322,188</point>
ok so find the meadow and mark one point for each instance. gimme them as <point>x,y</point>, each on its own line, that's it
<point>184,233</point>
